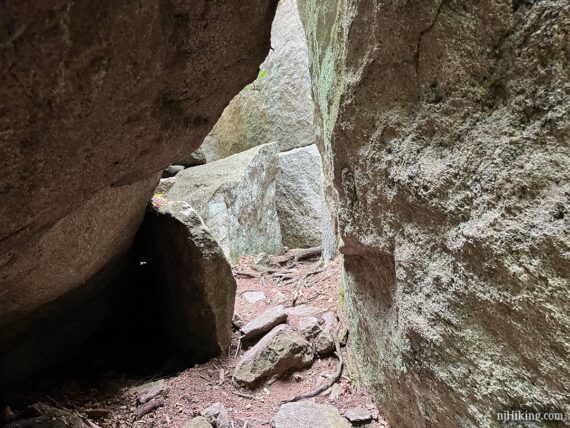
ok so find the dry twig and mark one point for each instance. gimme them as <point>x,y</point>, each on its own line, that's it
<point>151,406</point>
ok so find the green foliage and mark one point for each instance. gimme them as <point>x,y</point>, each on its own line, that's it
<point>262,74</point>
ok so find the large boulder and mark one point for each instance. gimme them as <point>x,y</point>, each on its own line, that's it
<point>299,197</point>
<point>445,130</point>
<point>97,98</point>
<point>278,105</point>
<point>236,198</point>
<point>280,350</point>
<point>193,281</point>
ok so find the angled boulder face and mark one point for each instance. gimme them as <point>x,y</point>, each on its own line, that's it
<point>264,322</point>
<point>278,105</point>
<point>445,130</point>
<point>280,350</point>
<point>236,198</point>
<point>299,197</point>
<point>98,97</point>
<point>244,124</point>
<point>193,280</point>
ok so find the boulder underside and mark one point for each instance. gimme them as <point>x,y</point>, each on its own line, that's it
<point>97,99</point>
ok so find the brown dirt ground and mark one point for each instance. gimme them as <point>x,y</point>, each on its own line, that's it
<point>111,401</point>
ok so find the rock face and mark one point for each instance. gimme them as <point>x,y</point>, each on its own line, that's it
<point>73,250</point>
<point>194,281</point>
<point>308,414</point>
<point>278,105</point>
<point>280,350</point>
<point>236,198</point>
<point>97,98</point>
<point>298,198</point>
<point>445,133</point>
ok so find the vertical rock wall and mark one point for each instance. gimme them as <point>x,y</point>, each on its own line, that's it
<point>298,197</point>
<point>445,132</point>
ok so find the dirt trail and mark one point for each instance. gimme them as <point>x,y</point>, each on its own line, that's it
<point>305,288</point>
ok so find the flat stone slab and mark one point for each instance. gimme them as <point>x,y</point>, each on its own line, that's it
<point>198,422</point>
<point>358,414</point>
<point>309,414</point>
<point>253,297</point>
<point>264,322</point>
<point>148,391</point>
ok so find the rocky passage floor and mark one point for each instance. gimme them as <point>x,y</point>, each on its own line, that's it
<point>305,289</point>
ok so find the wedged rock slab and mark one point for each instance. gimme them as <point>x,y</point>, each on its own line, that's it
<point>194,281</point>
<point>308,414</point>
<point>264,322</point>
<point>299,196</point>
<point>77,171</point>
<point>282,349</point>
<point>172,170</point>
<point>236,198</point>
<point>278,105</point>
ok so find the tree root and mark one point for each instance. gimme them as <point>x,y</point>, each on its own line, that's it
<point>330,381</point>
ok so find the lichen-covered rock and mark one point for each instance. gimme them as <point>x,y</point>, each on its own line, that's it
<point>298,197</point>
<point>309,327</point>
<point>193,280</point>
<point>324,343</point>
<point>236,198</point>
<point>308,414</point>
<point>280,350</point>
<point>278,105</point>
<point>97,98</point>
<point>445,132</point>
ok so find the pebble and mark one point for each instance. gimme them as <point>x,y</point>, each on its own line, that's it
<point>253,297</point>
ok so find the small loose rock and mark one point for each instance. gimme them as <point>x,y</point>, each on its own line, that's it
<point>198,422</point>
<point>358,415</point>
<point>264,322</point>
<point>309,327</point>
